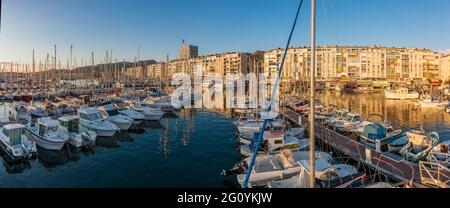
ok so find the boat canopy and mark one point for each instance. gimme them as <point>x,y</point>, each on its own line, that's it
<point>14,133</point>
<point>374,131</point>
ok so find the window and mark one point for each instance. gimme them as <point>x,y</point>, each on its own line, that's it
<point>42,130</point>
<point>63,123</point>
<point>278,141</point>
<point>294,146</point>
<point>73,126</point>
<point>112,112</point>
<point>84,116</point>
<point>95,116</point>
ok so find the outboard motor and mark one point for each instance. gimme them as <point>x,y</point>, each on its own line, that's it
<point>237,169</point>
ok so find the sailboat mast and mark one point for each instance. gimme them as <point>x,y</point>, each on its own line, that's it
<point>70,66</point>
<point>312,159</point>
<point>33,70</point>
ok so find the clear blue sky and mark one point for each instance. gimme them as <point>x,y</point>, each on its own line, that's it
<point>158,26</point>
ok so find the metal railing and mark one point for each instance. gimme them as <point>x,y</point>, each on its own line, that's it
<point>435,174</point>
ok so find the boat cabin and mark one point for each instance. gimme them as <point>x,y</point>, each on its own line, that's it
<point>14,133</point>
<point>109,112</point>
<point>69,124</point>
<point>90,114</point>
<point>46,124</point>
<point>274,141</point>
<point>341,113</point>
<point>353,117</point>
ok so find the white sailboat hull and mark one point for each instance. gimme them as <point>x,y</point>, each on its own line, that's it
<point>401,96</point>
<point>44,143</point>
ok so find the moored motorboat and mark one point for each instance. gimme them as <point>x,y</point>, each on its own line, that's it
<point>15,143</point>
<point>429,101</point>
<point>419,145</point>
<point>19,112</point>
<point>401,94</point>
<point>91,119</point>
<point>46,134</point>
<point>347,124</point>
<point>151,114</point>
<point>275,167</point>
<point>111,114</point>
<point>440,153</point>
<point>327,175</point>
<point>136,116</point>
<point>78,137</point>
<point>274,141</point>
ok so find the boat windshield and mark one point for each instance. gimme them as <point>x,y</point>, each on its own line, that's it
<point>91,117</point>
<point>52,128</point>
<point>355,119</point>
<point>112,112</point>
<point>349,118</point>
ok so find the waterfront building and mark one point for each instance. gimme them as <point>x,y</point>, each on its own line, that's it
<point>333,63</point>
<point>444,68</point>
<point>223,64</point>
<point>356,63</point>
<point>136,72</point>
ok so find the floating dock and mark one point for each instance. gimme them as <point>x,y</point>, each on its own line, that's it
<point>390,165</point>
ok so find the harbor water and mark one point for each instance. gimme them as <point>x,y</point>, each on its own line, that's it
<point>186,150</point>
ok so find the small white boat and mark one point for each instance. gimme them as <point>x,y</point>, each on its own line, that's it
<point>37,112</point>
<point>327,175</point>
<point>440,153</point>
<point>428,101</point>
<point>419,145</point>
<point>332,120</point>
<point>401,94</point>
<point>447,108</point>
<point>274,141</point>
<point>151,114</point>
<point>275,167</point>
<point>19,112</point>
<point>111,114</point>
<point>15,143</point>
<point>91,119</point>
<point>164,103</point>
<point>346,125</point>
<point>77,137</point>
<point>46,134</point>
<point>136,116</point>
<point>247,127</point>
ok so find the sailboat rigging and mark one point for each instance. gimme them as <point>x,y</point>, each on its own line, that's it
<point>269,108</point>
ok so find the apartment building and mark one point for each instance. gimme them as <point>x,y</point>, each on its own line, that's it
<point>188,51</point>
<point>444,68</point>
<point>355,62</point>
<point>223,64</point>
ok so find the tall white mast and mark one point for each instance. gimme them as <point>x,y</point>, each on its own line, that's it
<point>312,159</point>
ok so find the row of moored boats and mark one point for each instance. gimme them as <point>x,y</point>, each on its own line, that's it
<point>78,125</point>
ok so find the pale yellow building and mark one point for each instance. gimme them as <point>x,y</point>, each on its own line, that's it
<point>444,68</point>
<point>356,63</point>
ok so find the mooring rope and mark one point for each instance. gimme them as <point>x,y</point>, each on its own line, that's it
<point>269,108</point>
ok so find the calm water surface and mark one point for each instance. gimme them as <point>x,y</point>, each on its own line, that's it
<point>187,150</point>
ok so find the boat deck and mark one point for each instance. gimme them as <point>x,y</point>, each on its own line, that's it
<point>390,165</point>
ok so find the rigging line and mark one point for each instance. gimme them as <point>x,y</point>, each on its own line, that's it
<point>269,108</point>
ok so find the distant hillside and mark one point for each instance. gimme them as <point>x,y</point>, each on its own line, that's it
<point>118,65</point>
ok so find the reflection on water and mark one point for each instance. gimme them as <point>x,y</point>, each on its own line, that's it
<point>403,114</point>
